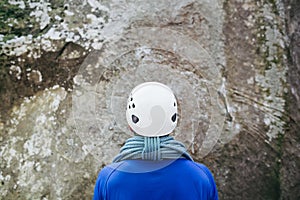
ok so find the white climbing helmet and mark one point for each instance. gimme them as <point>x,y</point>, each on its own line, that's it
<point>152,109</point>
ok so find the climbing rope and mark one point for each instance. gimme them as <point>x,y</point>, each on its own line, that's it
<point>152,148</point>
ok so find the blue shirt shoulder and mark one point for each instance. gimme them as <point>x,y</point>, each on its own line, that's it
<point>167,179</point>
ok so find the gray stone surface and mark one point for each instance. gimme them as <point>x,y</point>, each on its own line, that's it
<point>290,174</point>
<point>68,66</point>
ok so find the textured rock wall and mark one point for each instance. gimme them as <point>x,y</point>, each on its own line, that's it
<point>68,66</point>
<point>290,174</point>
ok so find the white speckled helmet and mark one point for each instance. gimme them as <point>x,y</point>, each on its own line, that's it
<point>152,109</point>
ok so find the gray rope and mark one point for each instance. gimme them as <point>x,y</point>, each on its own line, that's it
<point>152,148</point>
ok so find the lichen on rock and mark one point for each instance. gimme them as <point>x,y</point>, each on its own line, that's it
<point>68,66</point>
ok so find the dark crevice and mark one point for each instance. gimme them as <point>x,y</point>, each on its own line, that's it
<point>54,68</point>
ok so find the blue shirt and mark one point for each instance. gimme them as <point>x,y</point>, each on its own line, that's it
<point>155,180</point>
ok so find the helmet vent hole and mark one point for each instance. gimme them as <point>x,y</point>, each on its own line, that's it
<point>133,105</point>
<point>131,99</point>
<point>129,107</point>
<point>135,119</point>
<point>173,118</point>
<point>174,104</point>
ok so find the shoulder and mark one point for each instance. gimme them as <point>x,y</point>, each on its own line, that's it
<point>209,175</point>
<point>192,169</point>
<point>201,176</point>
<point>205,169</point>
<point>108,170</point>
<point>200,170</point>
<point>197,166</point>
<point>102,180</point>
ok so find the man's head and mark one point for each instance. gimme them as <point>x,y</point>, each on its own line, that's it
<point>152,109</point>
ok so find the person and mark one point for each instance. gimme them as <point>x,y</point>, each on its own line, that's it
<point>152,164</point>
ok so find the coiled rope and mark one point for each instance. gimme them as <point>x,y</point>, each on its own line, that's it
<point>152,148</point>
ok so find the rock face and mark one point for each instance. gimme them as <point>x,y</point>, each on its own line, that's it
<point>289,172</point>
<point>68,66</point>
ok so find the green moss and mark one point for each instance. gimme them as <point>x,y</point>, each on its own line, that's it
<point>8,37</point>
<point>14,21</point>
<point>3,72</point>
<point>57,4</point>
<point>274,191</point>
<point>262,48</point>
<point>270,59</point>
<point>274,6</point>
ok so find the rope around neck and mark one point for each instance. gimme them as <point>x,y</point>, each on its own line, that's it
<point>152,148</point>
